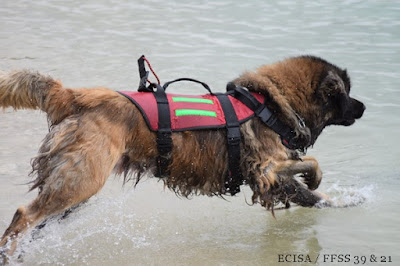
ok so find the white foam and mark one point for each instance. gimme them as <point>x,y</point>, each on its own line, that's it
<point>346,196</point>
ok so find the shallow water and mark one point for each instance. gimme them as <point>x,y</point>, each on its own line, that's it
<point>98,42</point>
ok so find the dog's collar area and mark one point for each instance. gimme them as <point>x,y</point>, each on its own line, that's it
<point>288,135</point>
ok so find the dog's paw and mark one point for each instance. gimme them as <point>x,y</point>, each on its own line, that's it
<point>312,180</point>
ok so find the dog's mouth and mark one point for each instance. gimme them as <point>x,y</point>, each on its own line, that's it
<point>349,122</point>
<point>343,122</point>
<point>355,111</point>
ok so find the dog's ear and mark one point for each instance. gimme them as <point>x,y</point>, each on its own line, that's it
<point>332,84</point>
<point>334,90</point>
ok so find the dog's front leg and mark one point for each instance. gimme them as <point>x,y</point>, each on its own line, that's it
<point>301,192</point>
<point>308,168</point>
<point>282,172</point>
<point>296,192</point>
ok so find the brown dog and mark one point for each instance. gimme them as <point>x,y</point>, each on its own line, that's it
<point>95,131</point>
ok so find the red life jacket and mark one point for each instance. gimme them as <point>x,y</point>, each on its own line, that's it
<point>190,112</point>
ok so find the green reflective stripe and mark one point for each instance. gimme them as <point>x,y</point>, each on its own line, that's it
<point>180,112</point>
<point>191,100</point>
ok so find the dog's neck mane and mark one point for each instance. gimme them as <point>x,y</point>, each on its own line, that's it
<point>278,104</point>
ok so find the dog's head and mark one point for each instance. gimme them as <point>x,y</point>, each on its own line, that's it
<point>334,90</point>
<point>331,96</point>
<point>306,88</point>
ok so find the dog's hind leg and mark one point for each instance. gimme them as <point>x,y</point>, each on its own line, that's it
<point>63,216</point>
<point>74,162</point>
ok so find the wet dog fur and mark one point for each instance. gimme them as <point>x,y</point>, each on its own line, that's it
<point>95,132</point>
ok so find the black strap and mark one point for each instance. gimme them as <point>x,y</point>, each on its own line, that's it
<point>234,178</point>
<point>143,75</point>
<point>188,79</point>
<point>164,140</point>
<point>286,133</point>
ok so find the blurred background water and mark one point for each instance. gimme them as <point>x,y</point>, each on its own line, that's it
<point>96,43</point>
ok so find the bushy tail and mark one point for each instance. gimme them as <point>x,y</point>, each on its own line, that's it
<point>25,89</point>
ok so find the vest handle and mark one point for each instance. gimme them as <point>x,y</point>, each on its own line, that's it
<point>188,79</point>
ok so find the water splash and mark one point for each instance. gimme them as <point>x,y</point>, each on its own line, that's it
<point>100,226</point>
<point>347,196</point>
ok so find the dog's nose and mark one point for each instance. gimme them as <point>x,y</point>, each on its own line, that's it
<point>360,109</point>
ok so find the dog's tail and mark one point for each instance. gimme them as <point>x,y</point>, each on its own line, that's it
<point>24,89</point>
